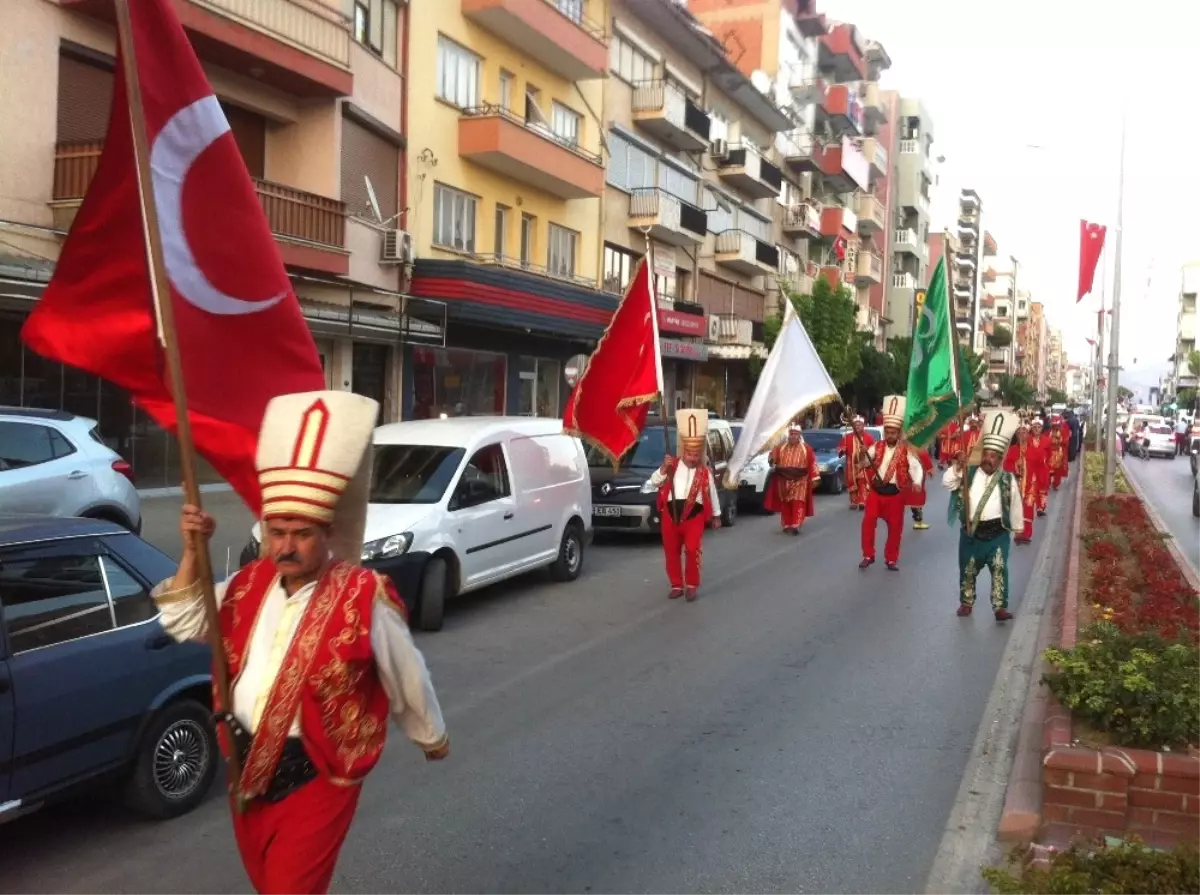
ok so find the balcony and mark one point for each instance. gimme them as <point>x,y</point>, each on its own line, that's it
<point>869,267</point>
<point>668,218</point>
<point>555,33</point>
<point>875,111</point>
<point>989,243</point>
<point>903,281</point>
<point>802,221</point>
<point>969,200</point>
<point>836,275</point>
<point>877,157</point>
<point>809,91</point>
<point>963,324</point>
<point>310,229</point>
<point>841,165</point>
<point>301,47</point>
<point>745,253</point>
<point>532,154</point>
<point>962,259</point>
<point>962,289</point>
<point>837,221</point>
<point>906,241</point>
<point>872,215</point>
<point>663,109</point>
<point>989,275</point>
<point>842,111</point>
<point>745,169</point>
<point>910,147</point>
<point>841,53</point>
<point>730,329</point>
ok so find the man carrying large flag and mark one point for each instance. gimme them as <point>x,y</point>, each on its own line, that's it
<point>237,375</point>
<point>793,380</point>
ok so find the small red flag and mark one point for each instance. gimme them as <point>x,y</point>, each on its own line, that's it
<point>242,336</point>
<point>1091,244</point>
<point>610,402</point>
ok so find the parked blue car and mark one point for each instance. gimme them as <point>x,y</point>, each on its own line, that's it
<point>824,443</point>
<point>91,687</point>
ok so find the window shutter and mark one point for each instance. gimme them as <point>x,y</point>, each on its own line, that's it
<point>84,98</point>
<point>618,163</point>
<point>366,154</point>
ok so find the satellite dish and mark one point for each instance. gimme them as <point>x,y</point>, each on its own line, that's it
<point>372,201</point>
<point>761,80</point>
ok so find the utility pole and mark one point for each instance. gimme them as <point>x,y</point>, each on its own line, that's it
<point>1114,358</point>
<point>1098,366</point>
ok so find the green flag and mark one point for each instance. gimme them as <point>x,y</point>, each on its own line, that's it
<point>939,384</point>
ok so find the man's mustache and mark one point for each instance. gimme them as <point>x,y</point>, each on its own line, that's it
<point>290,556</point>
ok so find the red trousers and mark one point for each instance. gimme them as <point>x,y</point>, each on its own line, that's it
<point>890,508</point>
<point>1056,478</point>
<point>291,846</point>
<point>792,513</point>
<point>1030,511</point>
<point>685,536</point>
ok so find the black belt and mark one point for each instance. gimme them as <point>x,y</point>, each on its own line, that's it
<point>678,505</point>
<point>886,489</point>
<point>989,530</point>
<point>294,769</point>
<point>792,473</point>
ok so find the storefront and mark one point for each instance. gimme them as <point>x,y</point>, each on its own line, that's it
<point>508,336</point>
<point>681,344</point>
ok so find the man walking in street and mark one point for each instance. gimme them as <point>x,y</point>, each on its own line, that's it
<point>1181,434</point>
<point>794,477</point>
<point>895,475</point>
<point>318,647</point>
<point>988,516</point>
<point>1021,461</point>
<point>1038,453</point>
<point>687,503</point>
<point>917,502</point>
<point>853,447</point>
<point>1059,442</point>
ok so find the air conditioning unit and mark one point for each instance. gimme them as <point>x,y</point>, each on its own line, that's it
<point>719,149</point>
<point>396,248</point>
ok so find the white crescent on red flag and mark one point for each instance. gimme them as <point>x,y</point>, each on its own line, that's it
<point>242,337</point>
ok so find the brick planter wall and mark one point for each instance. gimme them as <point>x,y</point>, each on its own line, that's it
<point>1115,791</point>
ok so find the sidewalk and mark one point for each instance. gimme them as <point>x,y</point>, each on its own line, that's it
<point>160,526</point>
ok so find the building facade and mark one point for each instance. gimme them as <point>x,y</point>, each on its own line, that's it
<point>913,176</point>
<point>1185,327</point>
<point>1056,363</point>
<point>1033,344</point>
<point>315,103</point>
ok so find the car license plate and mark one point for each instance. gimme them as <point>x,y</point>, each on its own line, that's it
<point>606,511</point>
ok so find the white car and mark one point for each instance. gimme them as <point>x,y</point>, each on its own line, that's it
<point>1162,440</point>
<point>458,504</point>
<point>54,463</point>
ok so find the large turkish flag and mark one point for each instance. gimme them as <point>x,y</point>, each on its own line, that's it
<point>1091,244</point>
<point>242,337</point>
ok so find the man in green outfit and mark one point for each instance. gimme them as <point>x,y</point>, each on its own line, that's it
<point>990,514</point>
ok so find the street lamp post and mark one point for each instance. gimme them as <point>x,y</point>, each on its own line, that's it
<point>1110,455</point>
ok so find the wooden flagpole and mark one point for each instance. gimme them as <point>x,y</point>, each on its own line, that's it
<point>161,292</point>
<point>662,399</point>
<point>964,485</point>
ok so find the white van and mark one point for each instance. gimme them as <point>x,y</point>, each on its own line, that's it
<point>458,504</point>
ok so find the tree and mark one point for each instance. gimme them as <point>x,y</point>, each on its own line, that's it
<point>975,365</point>
<point>879,375</point>
<point>829,315</point>
<point>1015,391</point>
<point>1193,362</point>
<point>1056,396</point>
<point>1124,394</point>
<point>1001,337</point>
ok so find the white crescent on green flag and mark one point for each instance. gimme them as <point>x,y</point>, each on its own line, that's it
<point>793,379</point>
<point>939,384</point>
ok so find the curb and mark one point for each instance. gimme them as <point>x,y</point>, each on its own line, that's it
<point>1022,812</point>
<point>1181,560</point>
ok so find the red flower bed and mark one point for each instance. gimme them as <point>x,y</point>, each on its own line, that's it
<point>1157,599</point>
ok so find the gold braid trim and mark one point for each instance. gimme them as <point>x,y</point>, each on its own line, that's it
<point>928,420</point>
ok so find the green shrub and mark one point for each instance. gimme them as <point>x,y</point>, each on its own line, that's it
<point>1142,690</point>
<point>1125,867</point>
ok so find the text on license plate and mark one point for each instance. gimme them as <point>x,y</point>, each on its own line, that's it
<point>606,511</point>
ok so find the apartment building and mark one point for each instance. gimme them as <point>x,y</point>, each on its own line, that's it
<point>1035,347</point>
<point>965,272</point>
<point>506,199</point>
<point>314,99</point>
<point>913,174</point>
<point>691,180</point>
<point>1056,363</point>
<point>1185,327</point>
<point>837,196</point>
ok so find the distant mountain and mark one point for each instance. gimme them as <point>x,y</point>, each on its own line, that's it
<point>1141,377</point>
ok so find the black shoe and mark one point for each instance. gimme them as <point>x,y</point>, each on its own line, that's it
<point>893,567</point>
<point>867,561</point>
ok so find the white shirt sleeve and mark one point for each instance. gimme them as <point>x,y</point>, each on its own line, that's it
<point>1016,508</point>
<point>915,470</point>
<point>713,494</point>
<point>657,480</point>
<point>414,704</point>
<point>182,610</point>
<point>952,478</point>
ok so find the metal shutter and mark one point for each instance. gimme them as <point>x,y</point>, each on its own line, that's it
<point>84,98</point>
<point>366,154</point>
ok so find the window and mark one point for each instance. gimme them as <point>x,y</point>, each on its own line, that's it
<point>23,444</point>
<point>630,166</point>
<point>539,381</point>
<point>457,74</point>
<point>572,9</point>
<point>618,267</point>
<point>720,211</point>
<point>507,80</point>
<point>565,123</point>
<point>752,224</point>
<point>130,601</point>
<point>453,218</point>
<point>362,16</point>
<point>412,473</point>
<point>500,243</point>
<point>719,127</point>
<point>375,27</point>
<point>534,116</point>
<point>680,184</point>
<point>560,260</point>
<point>628,62</point>
<point>528,238</point>
<point>367,154</point>
<point>453,382</point>
<point>717,451</point>
<point>53,599</point>
<point>484,479</point>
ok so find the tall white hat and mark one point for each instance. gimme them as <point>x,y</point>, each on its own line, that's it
<point>999,426</point>
<point>893,410</point>
<point>692,428</point>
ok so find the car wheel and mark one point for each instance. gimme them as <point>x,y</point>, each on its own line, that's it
<point>431,606</point>
<point>175,762</point>
<point>570,555</point>
<point>839,483</point>
<point>729,514</point>
<point>1196,500</point>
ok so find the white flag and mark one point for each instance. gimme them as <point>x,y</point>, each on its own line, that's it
<point>793,380</point>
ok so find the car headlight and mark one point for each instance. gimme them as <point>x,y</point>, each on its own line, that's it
<point>393,545</point>
<point>757,464</point>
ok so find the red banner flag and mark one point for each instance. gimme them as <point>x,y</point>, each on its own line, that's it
<point>242,336</point>
<point>610,402</point>
<point>1091,244</point>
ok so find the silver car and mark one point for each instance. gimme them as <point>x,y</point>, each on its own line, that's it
<point>54,463</point>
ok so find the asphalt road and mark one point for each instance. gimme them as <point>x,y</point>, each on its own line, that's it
<point>1168,486</point>
<point>802,728</point>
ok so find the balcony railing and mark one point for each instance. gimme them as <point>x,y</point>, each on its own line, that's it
<point>869,267</point>
<point>903,281</point>
<point>306,24</point>
<point>291,213</point>
<point>665,110</point>
<point>803,217</point>
<point>490,110</point>
<point>910,147</point>
<point>669,211</point>
<point>734,330</point>
<point>746,168</point>
<point>906,239</point>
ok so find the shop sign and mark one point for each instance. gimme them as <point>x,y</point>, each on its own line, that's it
<point>664,260</point>
<point>680,323</point>
<point>677,348</point>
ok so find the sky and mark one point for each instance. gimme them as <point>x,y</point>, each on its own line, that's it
<point>1027,98</point>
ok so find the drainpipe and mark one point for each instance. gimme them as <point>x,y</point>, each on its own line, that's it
<point>404,12</point>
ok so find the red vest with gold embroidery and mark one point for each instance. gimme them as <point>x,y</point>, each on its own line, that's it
<point>898,468</point>
<point>699,489</point>
<point>328,675</point>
